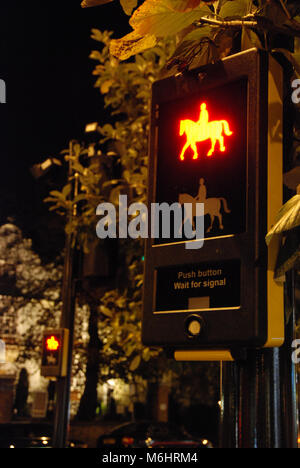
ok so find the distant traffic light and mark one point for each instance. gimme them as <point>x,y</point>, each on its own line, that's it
<point>55,353</point>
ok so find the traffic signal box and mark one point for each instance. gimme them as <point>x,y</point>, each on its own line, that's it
<point>55,353</point>
<point>216,138</point>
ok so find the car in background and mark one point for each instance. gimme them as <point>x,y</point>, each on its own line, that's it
<point>30,434</point>
<point>150,434</point>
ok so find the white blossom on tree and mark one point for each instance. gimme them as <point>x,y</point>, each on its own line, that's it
<point>30,301</point>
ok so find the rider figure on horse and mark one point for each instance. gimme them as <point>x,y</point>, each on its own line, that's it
<point>202,192</point>
<point>203,121</point>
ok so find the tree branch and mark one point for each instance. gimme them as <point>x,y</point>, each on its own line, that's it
<point>285,9</point>
<point>226,24</point>
<point>259,23</point>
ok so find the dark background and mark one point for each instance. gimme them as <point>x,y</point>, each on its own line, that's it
<point>44,60</point>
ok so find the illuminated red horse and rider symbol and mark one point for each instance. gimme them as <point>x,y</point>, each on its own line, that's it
<point>203,130</point>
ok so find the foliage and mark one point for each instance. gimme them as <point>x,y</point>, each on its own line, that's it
<point>119,166</point>
<point>120,330</point>
<point>206,30</point>
<point>287,229</point>
<point>65,201</point>
<point>126,88</point>
<point>288,218</point>
<point>21,264</point>
<point>91,3</point>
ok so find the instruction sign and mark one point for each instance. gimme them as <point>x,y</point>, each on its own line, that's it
<point>202,286</point>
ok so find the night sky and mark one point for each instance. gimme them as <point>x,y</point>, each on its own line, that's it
<point>44,60</point>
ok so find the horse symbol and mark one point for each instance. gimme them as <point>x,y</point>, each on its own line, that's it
<point>203,130</point>
<point>212,206</point>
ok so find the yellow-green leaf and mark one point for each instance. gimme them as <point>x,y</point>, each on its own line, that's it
<point>105,86</point>
<point>131,44</point>
<point>250,39</point>
<point>106,311</point>
<point>135,363</point>
<point>128,6</point>
<point>288,218</point>
<point>92,3</point>
<point>146,354</point>
<point>183,5</point>
<point>159,17</point>
<point>234,9</point>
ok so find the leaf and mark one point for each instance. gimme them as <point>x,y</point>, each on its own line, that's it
<point>93,3</point>
<point>95,55</point>
<point>188,45</point>
<point>135,363</point>
<point>146,354</point>
<point>105,86</point>
<point>289,254</point>
<point>223,39</point>
<point>274,12</point>
<point>129,349</point>
<point>79,197</point>
<point>106,311</point>
<point>183,5</point>
<point>198,34</point>
<point>288,218</point>
<point>111,182</point>
<point>100,36</point>
<point>66,190</point>
<point>219,5</point>
<point>289,205</point>
<point>107,130</point>
<point>194,53</point>
<point>250,39</point>
<point>234,9</point>
<point>133,43</point>
<point>159,17</point>
<point>128,6</point>
<point>57,194</point>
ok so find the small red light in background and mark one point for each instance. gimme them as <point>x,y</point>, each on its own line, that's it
<point>52,343</point>
<point>127,441</point>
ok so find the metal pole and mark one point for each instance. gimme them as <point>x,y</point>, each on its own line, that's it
<point>259,395</point>
<point>250,416</point>
<point>247,415</point>
<point>62,413</point>
<point>228,434</point>
<point>268,399</point>
<point>289,408</point>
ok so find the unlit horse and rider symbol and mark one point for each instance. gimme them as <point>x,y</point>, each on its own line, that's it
<point>197,132</point>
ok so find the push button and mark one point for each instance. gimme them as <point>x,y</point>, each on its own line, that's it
<point>194,325</point>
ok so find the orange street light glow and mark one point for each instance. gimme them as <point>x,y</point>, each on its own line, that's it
<point>52,343</point>
<point>203,130</point>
